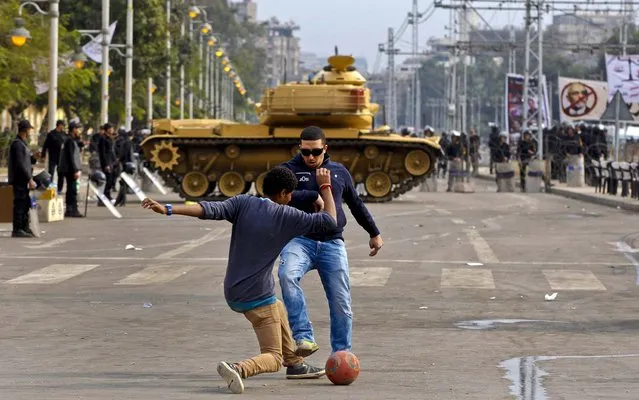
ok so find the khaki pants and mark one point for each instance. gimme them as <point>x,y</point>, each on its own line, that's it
<point>276,342</point>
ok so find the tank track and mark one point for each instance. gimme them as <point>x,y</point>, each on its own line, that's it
<point>173,180</point>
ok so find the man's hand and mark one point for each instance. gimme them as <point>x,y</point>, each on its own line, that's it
<point>318,204</point>
<point>154,205</point>
<point>31,184</point>
<point>375,244</point>
<point>77,175</point>
<point>323,177</point>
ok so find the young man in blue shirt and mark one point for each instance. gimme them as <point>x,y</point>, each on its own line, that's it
<point>324,251</point>
<point>261,228</point>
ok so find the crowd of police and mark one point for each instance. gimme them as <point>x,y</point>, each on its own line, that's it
<point>560,142</point>
<point>110,153</point>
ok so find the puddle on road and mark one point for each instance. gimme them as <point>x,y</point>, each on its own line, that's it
<point>525,376</point>
<point>481,324</point>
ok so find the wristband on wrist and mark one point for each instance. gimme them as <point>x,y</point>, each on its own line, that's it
<point>169,209</point>
<point>326,185</point>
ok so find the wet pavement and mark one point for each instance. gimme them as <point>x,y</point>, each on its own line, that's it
<point>453,307</point>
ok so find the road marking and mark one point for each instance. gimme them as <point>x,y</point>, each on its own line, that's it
<point>408,213</point>
<point>458,221</point>
<point>441,211</point>
<point>627,251</point>
<point>491,224</point>
<point>364,276</point>
<point>50,244</point>
<point>155,274</point>
<point>467,278</point>
<point>561,279</point>
<point>483,250</point>
<point>209,237</point>
<point>372,260</point>
<point>404,240</point>
<point>54,273</point>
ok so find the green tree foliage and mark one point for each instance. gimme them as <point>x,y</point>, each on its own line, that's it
<point>79,90</point>
<point>22,67</point>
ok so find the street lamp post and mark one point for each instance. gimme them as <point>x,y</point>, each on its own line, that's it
<point>128,80</point>
<point>182,34</point>
<point>19,37</point>
<point>149,104</point>
<point>168,64</point>
<point>104,85</point>
<point>194,11</point>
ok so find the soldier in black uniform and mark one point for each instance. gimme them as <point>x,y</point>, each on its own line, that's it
<point>526,149</point>
<point>52,144</point>
<point>71,168</point>
<point>108,160</point>
<point>454,153</point>
<point>500,152</point>
<point>125,157</point>
<point>21,178</point>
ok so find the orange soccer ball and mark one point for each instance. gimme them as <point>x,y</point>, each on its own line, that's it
<point>342,368</point>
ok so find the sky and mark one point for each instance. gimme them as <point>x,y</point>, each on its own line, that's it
<point>358,26</point>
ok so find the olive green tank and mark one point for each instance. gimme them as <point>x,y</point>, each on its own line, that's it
<point>217,159</point>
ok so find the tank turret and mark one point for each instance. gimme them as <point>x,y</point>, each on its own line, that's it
<point>334,97</point>
<point>214,159</point>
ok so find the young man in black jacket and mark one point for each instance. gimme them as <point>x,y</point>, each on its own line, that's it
<point>21,178</point>
<point>71,168</point>
<point>52,146</point>
<point>325,252</point>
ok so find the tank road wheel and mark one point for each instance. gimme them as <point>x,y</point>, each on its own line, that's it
<point>165,155</point>
<point>259,184</point>
<point>378,184</point>
<point>371,152</point>
<point>417,162</point>
<point>231,184</point>
<point>195,184</point>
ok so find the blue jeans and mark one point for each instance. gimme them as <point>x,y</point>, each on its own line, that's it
<point>329,258</point>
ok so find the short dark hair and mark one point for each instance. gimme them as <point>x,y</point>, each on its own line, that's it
<point>278,179</point>
<point>313,133</point>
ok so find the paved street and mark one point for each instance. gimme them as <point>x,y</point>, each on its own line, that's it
<point>83,318</point>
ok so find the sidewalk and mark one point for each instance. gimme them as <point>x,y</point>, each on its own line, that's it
<point>586,193</point>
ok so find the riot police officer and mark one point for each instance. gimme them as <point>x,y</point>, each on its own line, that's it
<point>21,178</point>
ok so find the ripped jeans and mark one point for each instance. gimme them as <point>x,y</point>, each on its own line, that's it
<point>329,258</point>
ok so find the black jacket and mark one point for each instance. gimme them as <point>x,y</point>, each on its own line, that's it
<point>343,191</point>
<point>20,163</point>
<point>70,161</point>
<point>125,151</point>
<point>523,148</point>
<point>501,153</point>
<point>53,144</point>
<point>106,151</point>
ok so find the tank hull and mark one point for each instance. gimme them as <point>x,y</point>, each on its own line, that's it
<point>216,168</point>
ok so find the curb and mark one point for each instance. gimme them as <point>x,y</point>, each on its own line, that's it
<point>603,201</point>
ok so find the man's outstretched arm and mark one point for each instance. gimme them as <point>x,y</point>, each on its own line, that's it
<point>218,210</point>
<point>194,210</point>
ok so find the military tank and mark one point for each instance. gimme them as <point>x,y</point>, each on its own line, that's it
<point>217,159</point>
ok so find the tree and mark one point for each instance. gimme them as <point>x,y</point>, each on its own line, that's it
<point>22,67</point>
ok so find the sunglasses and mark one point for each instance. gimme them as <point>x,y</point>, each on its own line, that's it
<point>314,152</point>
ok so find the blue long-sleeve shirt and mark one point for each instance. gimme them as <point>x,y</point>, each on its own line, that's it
<point>342,188</point>
<point>261,229</point>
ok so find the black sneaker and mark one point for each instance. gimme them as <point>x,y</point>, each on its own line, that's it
<point>232,376</point>
<point>21,234</point>
<point>304,371</point>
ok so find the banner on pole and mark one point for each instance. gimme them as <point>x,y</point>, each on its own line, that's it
<point>581,99</point>
<point>93,49</point>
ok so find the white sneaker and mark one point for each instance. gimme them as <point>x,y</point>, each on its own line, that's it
<point>231,376</point>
